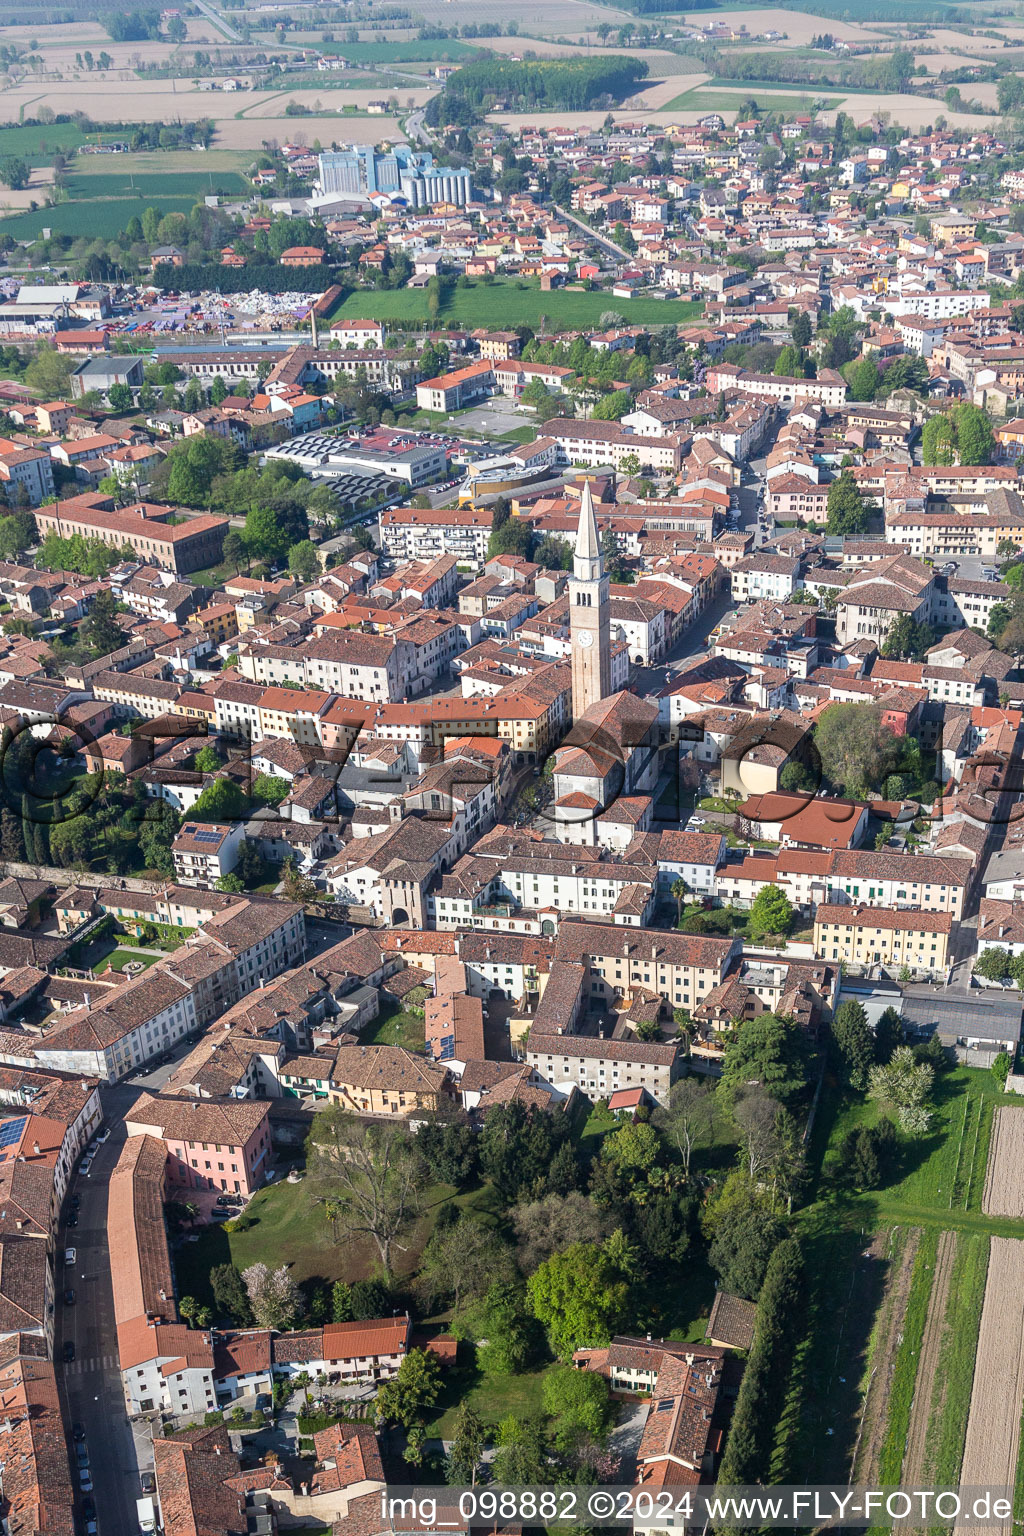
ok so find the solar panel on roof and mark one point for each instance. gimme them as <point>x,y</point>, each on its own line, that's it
<point>207,837</point>
<point>11,1131</point>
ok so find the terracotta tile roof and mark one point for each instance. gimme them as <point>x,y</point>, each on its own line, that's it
<point>140,1260</point>
<point>362,1340</point>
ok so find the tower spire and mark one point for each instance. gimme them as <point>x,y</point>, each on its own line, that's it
<point>587,564</point>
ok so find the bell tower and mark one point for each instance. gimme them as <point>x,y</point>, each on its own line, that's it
<point>589,614</point>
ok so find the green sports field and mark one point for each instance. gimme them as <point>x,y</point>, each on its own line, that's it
<point>507,304</point>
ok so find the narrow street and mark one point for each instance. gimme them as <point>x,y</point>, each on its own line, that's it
<point>91,1383</point>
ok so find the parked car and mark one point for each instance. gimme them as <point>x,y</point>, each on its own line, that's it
<point>82,1456</point>
<point>85,1479</point>
<point>104,1135</point>
<point>89,1509</point>
<point>76,1201</point>
<point>72,1220</point>
<point>77,1432</point>
<point>69,1349</point>
<point>70,1255</point>
<point>69,1297</point>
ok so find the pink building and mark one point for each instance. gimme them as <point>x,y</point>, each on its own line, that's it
<point>211,1144</point>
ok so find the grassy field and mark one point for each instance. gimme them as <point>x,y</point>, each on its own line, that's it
<point>954,1373</point>
<point>155,186</point>
<point>290,1228</point>
<point>38,145</point>
<point>901,1393</point>
<point>91,219</point>
<point>487,304</point>
<point>491,1396</point>
<point>944,1171</point>
<point>703,99</point>
<point>412,51</point>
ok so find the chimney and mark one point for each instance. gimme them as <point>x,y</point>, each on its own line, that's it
<point>36,1149</point>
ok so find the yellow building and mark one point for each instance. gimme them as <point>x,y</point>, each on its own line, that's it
<point>872,936</point>
<point>386,1080</point>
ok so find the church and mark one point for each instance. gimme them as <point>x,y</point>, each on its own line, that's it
<point>610,756</point>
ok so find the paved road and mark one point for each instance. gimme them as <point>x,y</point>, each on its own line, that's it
<point>591,234</point>
<point>92,1382</point>
<point>228,31</point>
<point>414,125</point>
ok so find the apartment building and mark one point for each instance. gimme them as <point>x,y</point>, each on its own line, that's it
<point>867,936</point>
<point>209,1144</point>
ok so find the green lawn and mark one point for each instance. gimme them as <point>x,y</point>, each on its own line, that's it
<point>487,304</point>
<point>595,1128</point>
<point>119,958</point>
<point>396,1027</point>
<point>290,1228</point>
<point>943,1172</point>
<point>492,1396</point>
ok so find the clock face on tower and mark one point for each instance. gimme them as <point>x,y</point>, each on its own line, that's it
<point>585,638</point>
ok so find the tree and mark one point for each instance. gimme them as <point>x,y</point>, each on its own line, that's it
<point>790,364</point>
<point>449,1149</point>
<point>517,1148</point>
<point>100,632</point>
<point>689,1118</point>
<point>553,553</point>
<point>513,537</point>
<point>853,1044</point>
<point>1001,1068</point>
<point>461,1259</point>
<point>467,1445</point>
<point>234,549</point>
<point>579,1296</point>
<point>519,1455</point>
<point>904,1085</point>
<point>610,407</point>
<point>993,964</point>
<point>856,749</point>
<point>907,639</point>
<point>230,1294</point>
<point>269,789</point>
<point>866,1154</point>
<point>771,914</point>
<point>304,561</point>
<point>221,801</point>
<point>578,1401</point>
<point>888,1034</point>
<point>120,397</point>
<point>847,515</point>
<point>369,1176</point>
<point>14,172</point>
<point>863,378</point>
<point>800,330</point>
<point>275,1299</point>
<point>510,1328</point>
<point>207,759</point>
<point>745,1235</point>
<point>416,1386</point>
<point>961,435</point>
<point>770,1051</point>
<point>555,1223</point>
<point>231,883</point>
<point>341,1302</point>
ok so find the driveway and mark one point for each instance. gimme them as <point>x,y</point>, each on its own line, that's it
<point>625,1438</point>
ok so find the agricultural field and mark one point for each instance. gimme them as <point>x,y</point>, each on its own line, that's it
<point>411,51</point>
<point>39,144</point>
<point>1004,1183</point>
<point>993,1429</point>
<point>94,219</point>
<point>477,305</point>
<point>704,99</point>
